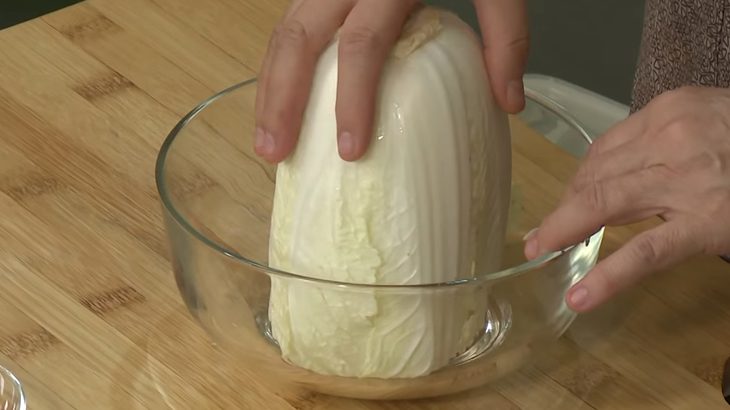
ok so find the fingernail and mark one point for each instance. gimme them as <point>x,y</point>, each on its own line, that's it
<point>578,297</point>
<point>264,142</point>
<point>346,145</point>
<point>515,94</point>
<point>531,243</point>
<point>529,234</point>
<point>531,248</point>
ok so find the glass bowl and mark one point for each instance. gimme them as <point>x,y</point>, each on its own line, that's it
<point>12,396</point>
<point>217,201</point>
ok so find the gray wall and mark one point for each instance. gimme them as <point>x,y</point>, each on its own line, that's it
<point>592,43</point>
<point>16,11</point>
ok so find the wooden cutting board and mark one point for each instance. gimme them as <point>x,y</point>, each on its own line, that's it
<point>90,317</point>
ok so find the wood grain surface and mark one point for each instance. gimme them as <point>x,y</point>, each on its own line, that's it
<point>90,316</point>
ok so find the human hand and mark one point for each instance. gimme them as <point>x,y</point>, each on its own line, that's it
<point>672,160</point>
<point>369,29</point>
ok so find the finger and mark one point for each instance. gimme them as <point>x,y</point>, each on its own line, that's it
<point>263,80</point>
<point>266,63</point>
<point>297,44</point>
<point>506,42</point>
<point>620,200</point>
<point>365,41</point>
<point>648,252</point>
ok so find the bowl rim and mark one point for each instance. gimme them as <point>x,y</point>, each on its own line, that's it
<point>525,267</point>
<point>7,376</point>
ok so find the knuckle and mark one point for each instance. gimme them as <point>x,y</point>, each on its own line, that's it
<point>594,195</point>
<point>595,148</point>
<point>711,164</point>
<point>719,164</point>
<point>583,178</point>
<point>601,146</point>
<point>716,243</point>
<point>290,33</point>
<point>609,284</point>
<point>648,250</point>
<point>717,202</point>
<point>360,40</point>
<point>519,44</point>
<point>678,130</point>
<point>662,172</point>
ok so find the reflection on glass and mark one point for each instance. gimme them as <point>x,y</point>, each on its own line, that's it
<point>11,391</point>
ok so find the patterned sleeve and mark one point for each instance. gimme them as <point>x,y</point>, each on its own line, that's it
<point>684,42</point>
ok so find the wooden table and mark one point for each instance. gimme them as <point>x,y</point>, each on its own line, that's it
<point>90,317</point>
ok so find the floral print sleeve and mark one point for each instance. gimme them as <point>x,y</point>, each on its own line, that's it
<point>684,42</point>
